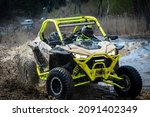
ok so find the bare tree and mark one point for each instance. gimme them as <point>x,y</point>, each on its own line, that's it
<point>100,8</point>
<point>142,9</point>
<point>100,12</point>
<point>77,4</point>
<point>108,6</point>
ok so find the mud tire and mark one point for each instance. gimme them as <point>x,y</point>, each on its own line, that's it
<point>132,82</point>
<point>30,74</point>
<point>59,83</point>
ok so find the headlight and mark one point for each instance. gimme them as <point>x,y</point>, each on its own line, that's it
<point>80,56</point>
<point>112,53</point>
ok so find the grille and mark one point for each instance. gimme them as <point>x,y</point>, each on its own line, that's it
<point>106,61</point>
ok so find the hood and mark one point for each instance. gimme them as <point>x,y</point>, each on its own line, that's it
<point>105,47</point>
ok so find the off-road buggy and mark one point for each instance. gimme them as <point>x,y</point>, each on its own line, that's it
<point>65,63</point>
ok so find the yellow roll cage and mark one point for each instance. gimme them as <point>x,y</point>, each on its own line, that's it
<point>71,21</point>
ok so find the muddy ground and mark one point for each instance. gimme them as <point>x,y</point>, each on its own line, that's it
<point>14,50</point>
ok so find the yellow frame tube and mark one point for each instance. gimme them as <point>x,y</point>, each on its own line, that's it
<point>91,72</point>
<point>43,76</point>
<point>68,20</point>
<point>44,25</point>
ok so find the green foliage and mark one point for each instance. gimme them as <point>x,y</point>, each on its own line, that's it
<point>34,7</point>
<point>121,6</point>
<point>115,6</point>
<point>26,7</point>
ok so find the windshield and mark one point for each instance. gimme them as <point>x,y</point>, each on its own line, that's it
<point>90,44</point>
<point>69,29</point>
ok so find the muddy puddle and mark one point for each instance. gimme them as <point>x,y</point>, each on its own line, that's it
<point>135,53</point>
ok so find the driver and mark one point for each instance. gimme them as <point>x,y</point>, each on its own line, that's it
<point>86,34</point>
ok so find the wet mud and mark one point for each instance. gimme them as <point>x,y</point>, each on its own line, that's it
<point>135,53</point>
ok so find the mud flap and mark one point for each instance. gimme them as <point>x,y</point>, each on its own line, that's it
<point>40,59</point>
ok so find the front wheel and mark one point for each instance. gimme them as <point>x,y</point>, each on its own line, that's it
<point>131,82</point>
<point>59,83</point>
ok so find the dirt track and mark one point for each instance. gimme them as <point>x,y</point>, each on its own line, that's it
<point>11,86</point>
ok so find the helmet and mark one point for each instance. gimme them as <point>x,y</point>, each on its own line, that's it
<point>54,36</point>
<point>54,39</point>
<point>87,31</point>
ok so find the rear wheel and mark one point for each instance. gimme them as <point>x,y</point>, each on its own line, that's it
<point>30,74</point>
<point>59,83</point>
<point>131,82</point>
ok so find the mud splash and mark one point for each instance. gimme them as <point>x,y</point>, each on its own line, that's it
<point>136,53</point>
<point>13,89</point>
<point>11,85</point>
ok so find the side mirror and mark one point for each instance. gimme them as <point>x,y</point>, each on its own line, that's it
<point>119,47</point>
<point>114,37</point>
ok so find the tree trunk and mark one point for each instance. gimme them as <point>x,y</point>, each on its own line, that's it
<point>77,6</point>
<point>142,9</point>
<point>146,14</point>
<point>100,12</point>
<point>108,6</point>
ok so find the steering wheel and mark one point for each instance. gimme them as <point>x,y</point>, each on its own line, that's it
<point>78,32</point>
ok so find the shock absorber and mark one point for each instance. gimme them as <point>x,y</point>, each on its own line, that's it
<point>76,70</point>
